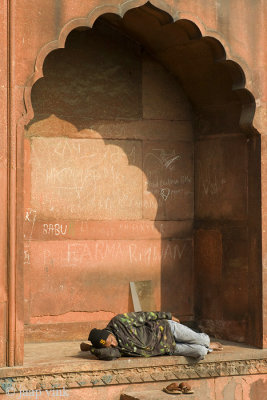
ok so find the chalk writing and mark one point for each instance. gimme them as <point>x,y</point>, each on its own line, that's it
<point>165,192</point>
<point>103,251</point>
<point>29,222</point>
<point>211,180</point>
<point>86,178</point>
<point>26,256</point>
<point>30,219</point>
<point>169,178</point>
<point>136,227</point>
<point>157,181</point>
<point>54,229</point>
<point>164,157</point>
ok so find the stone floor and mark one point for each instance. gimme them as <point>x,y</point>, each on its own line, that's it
<point>62,365</point>
<point>66,357</point>
<point>69,352</point>
<point>57,352</point>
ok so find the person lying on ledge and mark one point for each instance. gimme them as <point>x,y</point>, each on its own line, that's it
<point>147,334</point>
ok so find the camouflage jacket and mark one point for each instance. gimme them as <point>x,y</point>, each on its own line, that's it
<point>143,334</point>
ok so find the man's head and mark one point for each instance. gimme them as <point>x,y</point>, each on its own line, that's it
<point>102,338</point>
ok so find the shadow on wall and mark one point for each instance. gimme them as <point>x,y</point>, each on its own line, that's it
<point>111,142</point>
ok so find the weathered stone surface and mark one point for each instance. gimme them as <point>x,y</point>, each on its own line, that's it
<point>99,378</point>
<point>4,181</point>
<point>222,271</point>
<point>103,230</point>
<point>166,263</point>
<point>145,395</point>
<point>86,179</point>
<point>62,381</point>
<point>247,388</point>
<point>33,24</point>
<point>163,98</point>
<point>235,278</point>
<point>3,318</point>
<point>169,180</point>
<point>264,238</point>
<point>208,273</point>
<point>101,82</point>
<point>221,181</point>
<point>141,129</point>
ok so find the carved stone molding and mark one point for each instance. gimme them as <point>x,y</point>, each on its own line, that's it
<point>70,380</point>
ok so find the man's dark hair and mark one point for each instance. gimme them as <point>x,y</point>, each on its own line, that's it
<point>98,337</point>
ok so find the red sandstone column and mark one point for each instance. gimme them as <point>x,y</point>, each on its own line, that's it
<point>264,234</point>
<point>3,181</point>
<point>14,199</point>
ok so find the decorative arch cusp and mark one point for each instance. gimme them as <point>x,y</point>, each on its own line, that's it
<point>165,20</point>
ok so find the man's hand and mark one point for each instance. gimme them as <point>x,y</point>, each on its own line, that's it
<point>85,346</point>
<point>175,319</point>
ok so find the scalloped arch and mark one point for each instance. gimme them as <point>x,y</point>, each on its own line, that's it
<point>236,66</point>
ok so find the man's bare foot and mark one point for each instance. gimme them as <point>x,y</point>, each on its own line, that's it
<point>85,346</point>
<point>216,346</point>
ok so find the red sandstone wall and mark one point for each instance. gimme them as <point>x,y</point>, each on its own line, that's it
<point>221,239</point>
<point>240,25</point>
<point>109,186</point>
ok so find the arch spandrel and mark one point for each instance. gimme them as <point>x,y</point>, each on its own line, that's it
<point>195,11</point>
<point>156,41</point>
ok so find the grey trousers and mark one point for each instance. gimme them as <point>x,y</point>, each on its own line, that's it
<point>188,342</point>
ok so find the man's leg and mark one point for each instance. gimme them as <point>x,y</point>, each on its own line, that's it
<point>188,342</point>
<point>183,334</point>
<point>191,350</point>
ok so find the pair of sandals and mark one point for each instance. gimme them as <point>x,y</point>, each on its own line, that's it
<point>182,388</point>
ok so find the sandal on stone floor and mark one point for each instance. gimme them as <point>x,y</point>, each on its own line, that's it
<point>185,388</point>
<point>173,388</point>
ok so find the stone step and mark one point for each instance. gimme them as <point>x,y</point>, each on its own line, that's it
<point>156,395</point>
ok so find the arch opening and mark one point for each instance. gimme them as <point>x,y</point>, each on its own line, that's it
<point>138,155</point>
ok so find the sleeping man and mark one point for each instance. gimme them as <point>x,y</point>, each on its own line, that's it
<point>147,334</point>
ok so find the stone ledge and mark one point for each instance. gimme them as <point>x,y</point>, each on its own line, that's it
<point>116,374</point>
<point>145,395</point>
<point>148,395</point>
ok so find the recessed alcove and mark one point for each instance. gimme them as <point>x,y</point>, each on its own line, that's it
<point>137,167</point>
